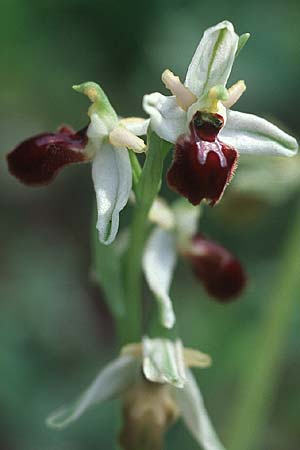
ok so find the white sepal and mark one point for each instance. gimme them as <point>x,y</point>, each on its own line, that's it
<point>111,382</point>
<point>248,133</point>
<point>213,59</point>
<point>163,361</point>
<point>194,414</point>
<point>158,264</point>
<point>112,177</point>
<point>168,120</point>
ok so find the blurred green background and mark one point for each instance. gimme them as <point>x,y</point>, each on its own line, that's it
<point>55,329</point>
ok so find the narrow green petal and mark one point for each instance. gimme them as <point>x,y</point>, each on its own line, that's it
<point>243,39</point>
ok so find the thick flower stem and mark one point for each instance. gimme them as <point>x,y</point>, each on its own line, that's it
<point>145,190</point>
<point>133,276</point>
<point>260,381</point>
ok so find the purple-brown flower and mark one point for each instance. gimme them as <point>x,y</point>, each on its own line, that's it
<point>220,272</point>
<point>203,165</point>
<point>37,160</point>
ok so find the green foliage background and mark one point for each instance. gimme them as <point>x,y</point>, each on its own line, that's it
<point>55,330</point>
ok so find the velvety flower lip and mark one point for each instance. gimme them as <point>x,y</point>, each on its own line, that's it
<point>37,160</point>
<point>220,272</point>
<point>204,90</point>
<point>203,165</point>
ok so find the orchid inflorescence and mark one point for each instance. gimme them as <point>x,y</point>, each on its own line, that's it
<point>153,378</point>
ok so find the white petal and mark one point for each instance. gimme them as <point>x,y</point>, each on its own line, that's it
<point>248,133</point>
<point>168,120</point>
<point>112,179</point>
<point>212,62</point>
<point>120,136</point>
<point>136,125</point>
<point>194,414</point>
<point>163,361</point>
<point>184,97</point>
<point>111,381</point>
<point>158,263</point>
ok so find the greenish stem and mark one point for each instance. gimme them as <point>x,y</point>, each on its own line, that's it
<point>261,376</point>
<point>146,190</point>
<point>136,168</point>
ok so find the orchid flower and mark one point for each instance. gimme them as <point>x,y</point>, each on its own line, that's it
<point>104,142</point>
<point>156,386</point>
<point>176,234</point>
<point>197,118</point>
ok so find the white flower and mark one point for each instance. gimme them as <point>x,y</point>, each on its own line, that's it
<point>109,138</point>
<point>204,91</point>
<point>172,390</point>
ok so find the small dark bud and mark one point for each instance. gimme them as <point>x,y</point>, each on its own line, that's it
<point>37,160</point>
<point>202,165</point>
<point>220,272</point>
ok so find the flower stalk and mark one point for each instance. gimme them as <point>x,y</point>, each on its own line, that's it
<point>146,189</point>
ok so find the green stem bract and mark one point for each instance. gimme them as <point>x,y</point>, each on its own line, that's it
<point>146,190</point>
<point>261,376</point>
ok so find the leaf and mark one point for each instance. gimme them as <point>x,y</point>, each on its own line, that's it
<point>194,414</point>
<point>158,264</point>
<point>163,361</point>
<point>111,382</point>
<point>112,178</point>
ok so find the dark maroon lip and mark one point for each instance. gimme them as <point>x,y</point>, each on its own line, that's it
<point>203,165</point>
<point>221,274</point>
<point>37,160</point>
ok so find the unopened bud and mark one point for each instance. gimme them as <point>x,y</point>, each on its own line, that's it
<point>220,272</point>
